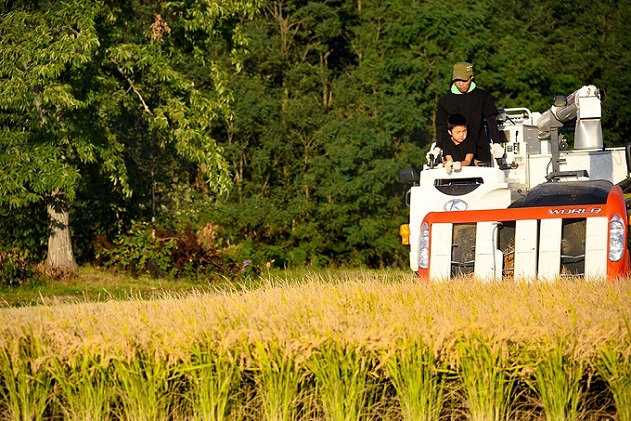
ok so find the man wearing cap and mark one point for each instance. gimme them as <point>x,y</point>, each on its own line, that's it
<point>476,105</point>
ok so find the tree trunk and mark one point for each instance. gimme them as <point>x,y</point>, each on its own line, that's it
<point>60,260</point>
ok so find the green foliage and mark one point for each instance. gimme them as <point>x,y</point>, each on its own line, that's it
<point>140,252</point>
<point>314,172</point>
<point>283,128</point>
<point>337,96</point>
<point>25,230</point>
<point>96,87</point>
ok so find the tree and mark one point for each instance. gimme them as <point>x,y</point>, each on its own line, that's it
<point>318,136</point>
<point>110,103</point>
<point>81,82</point>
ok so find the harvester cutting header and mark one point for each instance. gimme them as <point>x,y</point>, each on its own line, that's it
<point>539,210</point>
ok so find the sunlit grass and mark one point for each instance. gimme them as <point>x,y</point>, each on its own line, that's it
<point>97,285</point>
<point>26,379</point>
<point>341,374</point>
<point>556,378</point>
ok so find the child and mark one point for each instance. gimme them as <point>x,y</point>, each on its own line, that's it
<point>459,151</point>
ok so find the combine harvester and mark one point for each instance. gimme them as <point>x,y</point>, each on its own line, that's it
<point>539,211</point>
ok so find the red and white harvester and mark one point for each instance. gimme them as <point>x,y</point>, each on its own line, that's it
<point>539,211</point>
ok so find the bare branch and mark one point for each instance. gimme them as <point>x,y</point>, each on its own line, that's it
<point>132,86</point>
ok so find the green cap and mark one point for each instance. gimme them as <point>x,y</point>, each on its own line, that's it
<point>462,71</point>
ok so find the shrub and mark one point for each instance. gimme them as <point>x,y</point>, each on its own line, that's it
<point>160,253</point>
<point>15,268</point>
<point>195,253</point>
<point>139,252</point>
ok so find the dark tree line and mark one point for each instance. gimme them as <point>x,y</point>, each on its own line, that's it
<point>336,96</point>
<point>312,106</point>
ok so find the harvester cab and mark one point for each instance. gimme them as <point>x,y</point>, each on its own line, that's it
<point>540,210</point>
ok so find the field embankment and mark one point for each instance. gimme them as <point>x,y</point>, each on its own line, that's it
<point>349,348</point>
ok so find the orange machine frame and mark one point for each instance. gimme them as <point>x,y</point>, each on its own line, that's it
<point>615,205</point>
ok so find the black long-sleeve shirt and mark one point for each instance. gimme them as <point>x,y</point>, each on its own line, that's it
<point>478,107</point>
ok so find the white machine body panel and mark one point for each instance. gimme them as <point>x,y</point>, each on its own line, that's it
<point>492,192</point>
<point>537,250</point>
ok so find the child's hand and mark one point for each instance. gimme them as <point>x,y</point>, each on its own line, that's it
<point>457,166</point>
<point>449,166</point>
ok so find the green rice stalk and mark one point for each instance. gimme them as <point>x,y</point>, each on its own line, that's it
<point>26,380</point>
<point>486,378</point>
<point>278,382</point>
<point>418,381</point>
<point>86,387</point>
<point>341,375</point>
<point>214,377</point>
<point>143,388</point>
<point>614,366</point>
<point>556,378</point>
<point>615,369</point>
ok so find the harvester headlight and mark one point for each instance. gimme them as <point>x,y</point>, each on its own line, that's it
<point>423,255</point>
<point>616,238</point>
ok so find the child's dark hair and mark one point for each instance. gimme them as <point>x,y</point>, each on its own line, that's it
<point>456,120</point>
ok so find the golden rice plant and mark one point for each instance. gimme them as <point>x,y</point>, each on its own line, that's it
<point>418,378</point>
<point>202,356</point>
<point>144,388</point>
<point>341,373</point>
<point>26,378</point>
<point>85,385</point>
<point>557,380</point>
<point>279,381</point>
<point>614,366</point>
<point>213,375</point>
<point>487,377</point>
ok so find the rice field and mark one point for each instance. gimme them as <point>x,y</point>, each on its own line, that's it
<point>363,346</point>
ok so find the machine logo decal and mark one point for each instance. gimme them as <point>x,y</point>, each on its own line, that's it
<point>455,205</point>
<point>585,211</point>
